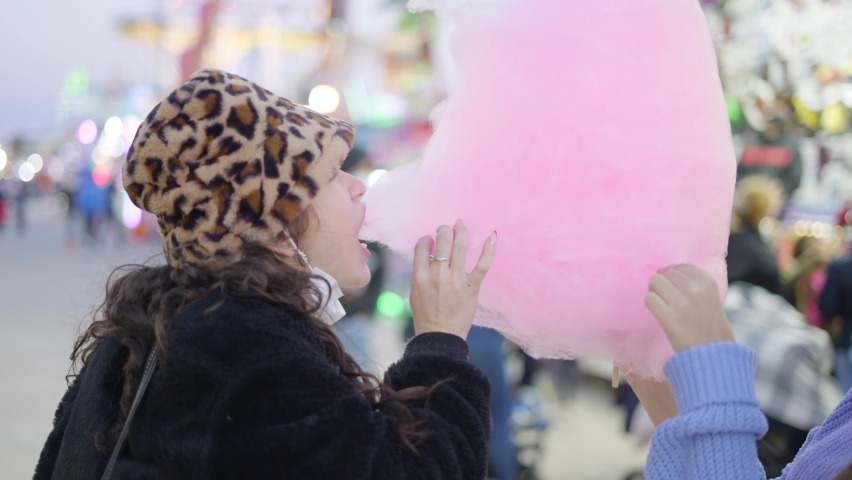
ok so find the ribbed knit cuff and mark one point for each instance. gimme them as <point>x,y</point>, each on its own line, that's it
<point>712,373</point>
<point>435,342</point>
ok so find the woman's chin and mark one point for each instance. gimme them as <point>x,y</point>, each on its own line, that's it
<point>357,279</point>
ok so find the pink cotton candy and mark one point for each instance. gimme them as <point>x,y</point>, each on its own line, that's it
<point>593,137</point>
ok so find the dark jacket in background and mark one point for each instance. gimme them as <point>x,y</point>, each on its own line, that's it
<point>776,158</point>
<point>247,391</point>
<point>751,260</point>
<point>836,299</point>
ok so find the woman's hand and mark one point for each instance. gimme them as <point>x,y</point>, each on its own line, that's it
<point>686,302</point>
<point>443,294</point>
<point>657,398</point>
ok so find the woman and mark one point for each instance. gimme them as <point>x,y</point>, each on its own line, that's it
<point>260,231</point>
<point>749,257</point>
<point>708,416</point>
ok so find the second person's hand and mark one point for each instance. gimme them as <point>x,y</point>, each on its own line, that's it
<point>685,300</point>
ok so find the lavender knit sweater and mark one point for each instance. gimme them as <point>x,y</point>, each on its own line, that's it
<point>714,436</point>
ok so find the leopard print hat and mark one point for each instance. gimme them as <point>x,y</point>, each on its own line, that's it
<point>222,162</point>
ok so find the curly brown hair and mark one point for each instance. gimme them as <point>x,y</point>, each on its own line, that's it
<point>141,301</point>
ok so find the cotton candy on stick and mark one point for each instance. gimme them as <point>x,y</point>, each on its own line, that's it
<point>593,136</point>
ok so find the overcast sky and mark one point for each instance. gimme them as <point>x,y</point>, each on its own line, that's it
<point>40,40</point>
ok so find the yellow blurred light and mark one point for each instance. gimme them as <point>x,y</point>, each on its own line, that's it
<point>324,99</point>
<point>834,118</point>
<point>800,229</point>
<point>808,117</point>
<point>846,68</point>
<point>819,229</point>
<point>767,226</point>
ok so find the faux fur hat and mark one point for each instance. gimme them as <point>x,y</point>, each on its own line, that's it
<point>223,161</point>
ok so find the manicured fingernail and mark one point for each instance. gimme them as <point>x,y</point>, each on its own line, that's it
<point>493,239</point>
<point>459,223</point>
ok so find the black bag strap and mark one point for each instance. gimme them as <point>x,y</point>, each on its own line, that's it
<point>150,365</point>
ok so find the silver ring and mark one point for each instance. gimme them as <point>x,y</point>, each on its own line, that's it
<point>438,259</point>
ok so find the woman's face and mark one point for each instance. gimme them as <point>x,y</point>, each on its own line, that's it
<point>331,241</point>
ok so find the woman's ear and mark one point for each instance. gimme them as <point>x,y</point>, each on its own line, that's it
<point>281,248</point>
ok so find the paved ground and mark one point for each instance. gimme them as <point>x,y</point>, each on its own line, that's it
<point>47,289</point>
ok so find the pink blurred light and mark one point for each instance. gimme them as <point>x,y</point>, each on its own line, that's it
<point>87,132</point>
<point>101,175</point>
<point>131,215</point>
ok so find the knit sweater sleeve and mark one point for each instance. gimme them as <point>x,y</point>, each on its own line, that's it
<point>719,422</point>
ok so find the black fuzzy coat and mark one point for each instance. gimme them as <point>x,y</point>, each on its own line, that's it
<point>246,391</point>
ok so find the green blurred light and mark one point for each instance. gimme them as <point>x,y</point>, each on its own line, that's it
<point>390,304</point>
<point>735,113</point>
<point>76,81</point>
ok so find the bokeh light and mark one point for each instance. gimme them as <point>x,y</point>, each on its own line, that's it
<point>71,154</point>
<point>2,159</point>
<point>87,132</point>
<point>99,156</point>
<point>25,171</point>
<point>36,161</point>
<point>100,175</point>
<point>55,168</point>
<point>61,202</point>
<point>390,304</point>
<point>131,215</point>
<point>114,127</point>
<point>374,176</point>
<point>324,99</point>
<point>131,126</point>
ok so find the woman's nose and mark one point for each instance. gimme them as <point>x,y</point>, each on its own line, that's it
<point>357,187</point>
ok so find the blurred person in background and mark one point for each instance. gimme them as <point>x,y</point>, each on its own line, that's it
<point>804,277</point>
<point>2,206</point>
<point>244,377</point>
<point>775,153</point>
<point>749,258</point>
<point>68,187</point>
<point>836,306</point>
<point>92,203</point>
<point>22,194</point>
<point>486,352</point>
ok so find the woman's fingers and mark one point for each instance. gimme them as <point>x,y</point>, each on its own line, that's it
<point>678,278</point>
<point>443,244</point>
<point>421,255</point>
<point>457,262</point>
<point>657,306</point>
<point>484,264</point>
<point>689,270</point>
<point>662,286</point>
